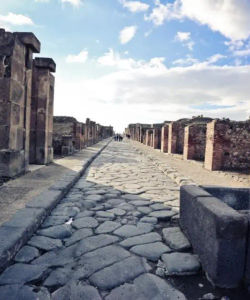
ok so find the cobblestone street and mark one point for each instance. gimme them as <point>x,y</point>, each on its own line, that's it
<point>115,235</point>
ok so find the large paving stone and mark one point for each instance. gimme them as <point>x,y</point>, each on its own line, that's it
<point>94,242</point>
<point>65,211</point>
<point>176,239</point>
<point>58,277</point>
<point>126,206</point>
<point>140,202</point>
<point>144,209</point>
<point>23,292</point>
<point>151,220</point>
<point>99,259</point>
<point>119,273</point>
<point>107,227</point>
<point>117,211</point>
<point>164,215</point>
<point>131,197</point>
<point>146,287</point>
<point>132,230</point>
<point>76,290</point>
<point>57,258</point>
<point>95,198</point>
<point>159,206</point>
<point>86,222</point>
<point>78,235</point>
<point>105,214</point>
<point>141,239</point>
<point>85,213</point>
<point>45,243</point>
<point>115,202</point>
<point>180,263</point>
<point>23,273</point>
<point>56,232</point>
<point>26,254</point>
<point>151,251</point>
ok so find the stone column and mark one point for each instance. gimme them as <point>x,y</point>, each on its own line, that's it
<point>41,123</point>
<point>156,138</point>
<point>16,51</point>
<point>164,138</point>
<point>176,137</point>
<point>86,134</point>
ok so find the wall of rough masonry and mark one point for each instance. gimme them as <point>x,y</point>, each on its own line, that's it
<point>176,136</point>
<point>195,141</point>
<point>228,145</point>
<point>16,58</point>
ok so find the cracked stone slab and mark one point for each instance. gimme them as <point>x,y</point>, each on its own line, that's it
<point>26,254</point>
<point>23,292</point>
<point>164,215</point>
<point>23,273</point>
<point>56,232</point>
<point>78,235</point>
<point>180,263</point>
<point>95,242</point>
<point>85,222</point>
<point>146,287</point>
<point>45,243</point>
<point>132,230</point>
<point>107,227</point>
<point>85,213</point>
<point>119,273</point>
<point>141,239</point>
<point>98,259</point>
<point>76,290</point>
<point>176,239</point>
<point>151,251</point>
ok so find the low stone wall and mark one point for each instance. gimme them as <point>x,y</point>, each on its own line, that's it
<point>228,145</point>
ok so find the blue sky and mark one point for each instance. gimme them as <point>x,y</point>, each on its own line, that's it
<point>121,61</point>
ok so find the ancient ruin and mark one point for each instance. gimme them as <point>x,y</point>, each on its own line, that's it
<point>220,144</point>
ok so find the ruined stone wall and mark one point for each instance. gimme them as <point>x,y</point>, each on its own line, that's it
<point>195,141</point>
<point>156,138</point>
<point>149,137</point>
<point>228,145</point>
<point>164,138</point>
<point>176,137</point>
<point>16,51</point>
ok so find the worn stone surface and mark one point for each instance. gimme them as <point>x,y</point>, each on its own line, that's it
<point>176,239</point>
<point>26,254</point>
<point>78,235</point>
<point>45,243</point>
<point>85,222</point>
<point>107,227</point>
<point>180,263</point>
<point>131,230</point>
<point>151,251</point>
<point>56,232</point>
<point>141,239</point>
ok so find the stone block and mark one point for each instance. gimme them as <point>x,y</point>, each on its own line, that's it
<point>29,40</point>
<point>45,63</point>
<point>217,233</point>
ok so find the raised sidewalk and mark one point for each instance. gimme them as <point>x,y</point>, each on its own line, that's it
<point>27,200</point>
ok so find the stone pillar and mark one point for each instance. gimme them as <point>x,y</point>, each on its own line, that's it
<point>156,136</point>
<point>164,138</point>
<point>176,137</point>
<point>41,123</point>
<point>195,142</point>
<point>87,129</point>
<point>16,51</point>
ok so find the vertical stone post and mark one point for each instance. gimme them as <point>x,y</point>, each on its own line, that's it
<point>41,123</point>
<point>215,144</point>
<point>176,137</point>
<point>164,138</point>
<point>87,134</point>
<point>16,51</point>
<point>156,136</point>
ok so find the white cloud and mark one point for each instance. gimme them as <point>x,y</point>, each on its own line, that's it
<point>127,34</point>
<point>73,2</point>
<point>135,6</point>
<point>185,61</point>
<point>79,58</point>
<point>148,91</point>
<point>15,19</point>
<point>185,38</point>
<point>43,1</point>
<point>243,52</point>
<point>230,18</point>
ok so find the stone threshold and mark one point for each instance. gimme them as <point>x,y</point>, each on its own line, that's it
<point>35,195</point>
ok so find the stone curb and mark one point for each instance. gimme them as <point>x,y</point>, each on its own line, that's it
<point>16,232</point>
